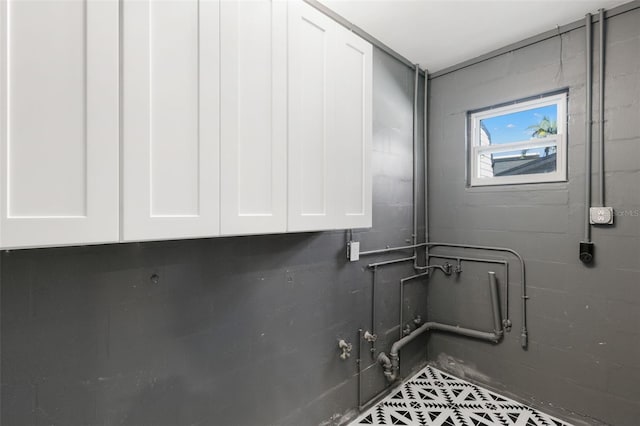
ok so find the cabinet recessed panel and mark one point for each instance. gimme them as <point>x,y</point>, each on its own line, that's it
<point>59,128</point>
<point>173,108</point>
<point>350,127</point>
<point>254,93</point>
<point>310,95</point>
<point>170,113</point>
<point>353,129</point>
<point>253,116</point>
<point>312,113</point>
<point>46,123</point>
<point>329,124</point>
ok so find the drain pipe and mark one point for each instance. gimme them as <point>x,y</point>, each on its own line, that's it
<point>586,246</point>
<point>495,306</point>
<point>391,363</point>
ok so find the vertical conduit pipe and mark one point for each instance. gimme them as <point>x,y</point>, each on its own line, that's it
<point>586,246</point>
<point>414,235</point>
<point>601,109</point>
<point>588,105</point>
<point>425,129</point>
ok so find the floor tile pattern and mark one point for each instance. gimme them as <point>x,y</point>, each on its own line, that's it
<point>435,398</point>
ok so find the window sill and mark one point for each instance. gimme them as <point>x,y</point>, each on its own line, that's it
<point>519,187</point>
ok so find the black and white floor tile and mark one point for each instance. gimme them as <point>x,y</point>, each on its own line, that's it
<point>434,398</point>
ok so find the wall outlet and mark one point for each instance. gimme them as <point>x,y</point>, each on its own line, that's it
<point>601,215</point>
<point>353,251</point>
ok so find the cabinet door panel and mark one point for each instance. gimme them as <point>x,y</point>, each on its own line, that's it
<point>352,132</point>
<point>59,122</point>
<point>170,119</point>
<point>253,117</point>
<point>330,119</point>
<point>310,97</point>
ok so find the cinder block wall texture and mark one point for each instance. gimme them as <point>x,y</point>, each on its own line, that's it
<point>583,360</point>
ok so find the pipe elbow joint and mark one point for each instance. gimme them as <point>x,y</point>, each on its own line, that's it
<point>395,349</point>
<point>390,376</point>
<point>390,364</point>
<point>384,360</point>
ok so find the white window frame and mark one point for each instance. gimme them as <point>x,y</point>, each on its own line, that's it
<point>559,140</point>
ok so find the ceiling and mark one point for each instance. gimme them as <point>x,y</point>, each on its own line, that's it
<point>440,33</point>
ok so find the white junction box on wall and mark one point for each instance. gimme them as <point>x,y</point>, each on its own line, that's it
<point>601,215</point>
<point>353,251</point>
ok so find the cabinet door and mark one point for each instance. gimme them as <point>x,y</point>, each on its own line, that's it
<point>170,119</point>
<point>352,130</point>
<point>58,122</point>
<point>253,116</point>
<point>310,115</point>
<point>330,124</point>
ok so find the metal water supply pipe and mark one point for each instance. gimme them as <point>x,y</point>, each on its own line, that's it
<point>524,335</point>
<point>391,249</point>
<point>506,321</point>
<point>524,332</point>
<point>390,262</point>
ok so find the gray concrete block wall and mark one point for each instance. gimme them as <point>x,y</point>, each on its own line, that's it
<point>583,361</point>
<point>236,331</point>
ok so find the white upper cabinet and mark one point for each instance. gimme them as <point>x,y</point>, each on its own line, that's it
<point>329,123</point>
<point>58,122</point>
<point>170,119</point>
<point>253,117</point>
<point>138,120</point>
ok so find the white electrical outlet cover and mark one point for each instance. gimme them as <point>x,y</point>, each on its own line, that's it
<point>601,215</point>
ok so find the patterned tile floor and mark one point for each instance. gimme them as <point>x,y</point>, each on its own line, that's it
<point>434,398</point>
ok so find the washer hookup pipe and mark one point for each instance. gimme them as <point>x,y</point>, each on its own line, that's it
<point>524,334</point>
<point>391,363</point>
<point>506,322</point>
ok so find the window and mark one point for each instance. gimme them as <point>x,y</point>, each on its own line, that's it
<point>522,142</point>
